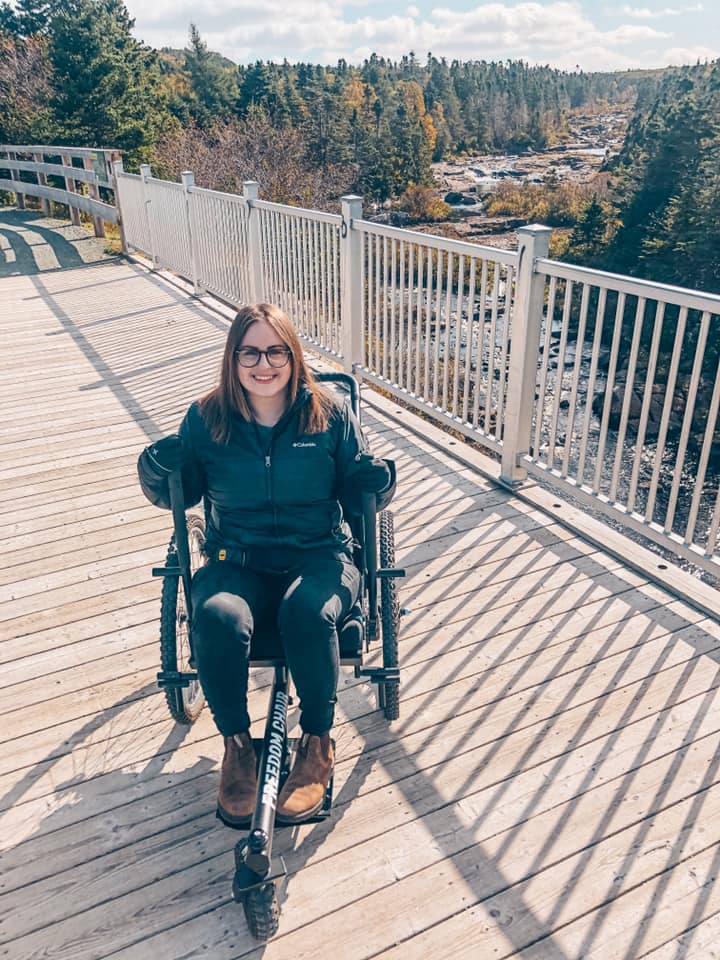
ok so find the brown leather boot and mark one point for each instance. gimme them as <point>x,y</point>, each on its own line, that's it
<point>238,781</point>
<point>304,790</point>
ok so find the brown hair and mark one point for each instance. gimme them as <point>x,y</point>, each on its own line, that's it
<point>229,398</point>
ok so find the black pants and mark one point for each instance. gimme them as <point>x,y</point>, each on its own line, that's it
<point>306,602</point>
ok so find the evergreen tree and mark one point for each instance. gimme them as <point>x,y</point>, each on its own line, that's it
<point>30,17</point>
<point>587,239</point>
<point>665,167</point>
<point>9,23</point>
<point>105,84</point>
<point>213,88</point>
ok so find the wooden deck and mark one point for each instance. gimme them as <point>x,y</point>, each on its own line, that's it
<point>550,791</point>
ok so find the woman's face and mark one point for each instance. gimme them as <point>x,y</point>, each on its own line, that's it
<point>263,381</point>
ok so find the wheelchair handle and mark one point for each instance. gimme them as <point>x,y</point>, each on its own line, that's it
<point>347,381</point>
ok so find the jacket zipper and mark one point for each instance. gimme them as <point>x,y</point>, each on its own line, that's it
<point>267,460</point>
<point>268,474</point>
<point>267,456</point>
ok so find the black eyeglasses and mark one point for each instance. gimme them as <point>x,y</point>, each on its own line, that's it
<point>275,356</point>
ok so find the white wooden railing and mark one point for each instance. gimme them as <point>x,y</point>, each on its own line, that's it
<point>58,162</point>
<point>604,386</point>
<point>645,355</point>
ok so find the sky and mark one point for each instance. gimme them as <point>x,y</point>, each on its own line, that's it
<point>602,35</point>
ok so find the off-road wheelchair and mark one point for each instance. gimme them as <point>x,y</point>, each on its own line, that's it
<point>374,618</point>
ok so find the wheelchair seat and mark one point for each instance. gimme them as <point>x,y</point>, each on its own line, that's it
<point>266,646</point>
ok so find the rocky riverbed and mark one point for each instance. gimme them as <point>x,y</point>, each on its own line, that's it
<point>467,182</point>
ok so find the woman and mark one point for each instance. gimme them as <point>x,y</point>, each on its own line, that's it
<point>274,457</point>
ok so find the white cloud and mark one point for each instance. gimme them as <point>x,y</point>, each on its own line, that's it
<point>558,32</point>
<point>676,55</point>
<point>629,33</point>
<point>643,13</point>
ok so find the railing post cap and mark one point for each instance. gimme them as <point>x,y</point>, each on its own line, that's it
<point>534,229</point>
<point>351,207</point>
<point>251,189</point>
<point>187,178</point>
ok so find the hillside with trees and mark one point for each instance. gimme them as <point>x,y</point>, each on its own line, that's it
<point>381,123</point>
<point>72,72</point>
<point>660,217</point>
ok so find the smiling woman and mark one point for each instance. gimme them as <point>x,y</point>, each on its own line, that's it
<point>276,461</point>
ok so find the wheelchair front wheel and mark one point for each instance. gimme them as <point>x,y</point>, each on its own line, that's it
<point>262,911</point>
<point>390,618</point>
<point>184,703</point>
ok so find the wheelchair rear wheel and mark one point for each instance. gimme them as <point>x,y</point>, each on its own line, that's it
<point>389,617</point>
<point>185,703</point>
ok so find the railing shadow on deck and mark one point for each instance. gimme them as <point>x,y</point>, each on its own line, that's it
<point>17,227</point>
<point>465,626</point>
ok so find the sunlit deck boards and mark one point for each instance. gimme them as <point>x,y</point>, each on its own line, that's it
<point>550,790</point>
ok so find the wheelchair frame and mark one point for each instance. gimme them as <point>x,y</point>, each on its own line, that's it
<point>256,869</point>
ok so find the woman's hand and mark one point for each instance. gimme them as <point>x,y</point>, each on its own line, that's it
<point>371,475</point>
<point>166,454</point>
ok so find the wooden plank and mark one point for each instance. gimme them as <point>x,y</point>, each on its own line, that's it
<point>114,616</point>
<point>699,939</point>
<point>57,554</point>
<point>107,596</point>
<point>98,521</point>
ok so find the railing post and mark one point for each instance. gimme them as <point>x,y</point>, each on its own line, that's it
<point>533,242</point>
<point>71,188</point>
<point>145,174</point>
<point>187,178</point>
<point>351,318</point>
<point>98,223</point>
<point>42,181</point>
<point>15,175</point>
<point>117,169</point>
<point>251,192</point>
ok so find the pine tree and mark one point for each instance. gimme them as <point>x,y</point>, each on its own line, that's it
<point>30,17</point>
<point>659,175</point>
<point>106,87</point>
<point>213,87</point>
<point>588,235</point>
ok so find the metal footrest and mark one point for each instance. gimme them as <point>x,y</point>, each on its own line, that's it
<point>166,572</point>
<point>380,674</point>
<point>174,678</point>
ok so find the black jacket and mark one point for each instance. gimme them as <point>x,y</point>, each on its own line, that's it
<point>275,491</point>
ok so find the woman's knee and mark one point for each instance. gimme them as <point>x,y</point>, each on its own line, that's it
<point>321,596</point>
<point>305,611</point>
<point>222,615</point>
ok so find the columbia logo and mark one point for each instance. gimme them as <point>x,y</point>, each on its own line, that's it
<point>304,443</point>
